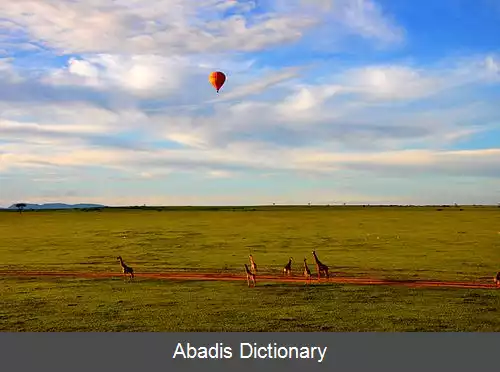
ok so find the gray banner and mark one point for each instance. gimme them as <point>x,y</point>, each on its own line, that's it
<point>134,352</point>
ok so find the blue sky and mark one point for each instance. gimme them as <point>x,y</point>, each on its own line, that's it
<point>355,101</point>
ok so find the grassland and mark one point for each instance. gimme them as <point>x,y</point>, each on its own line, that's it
<point>457,244</point>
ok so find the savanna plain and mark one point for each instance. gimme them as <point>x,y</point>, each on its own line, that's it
<point>401,244</point>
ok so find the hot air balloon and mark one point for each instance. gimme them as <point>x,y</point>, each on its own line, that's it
<point>217,79</point>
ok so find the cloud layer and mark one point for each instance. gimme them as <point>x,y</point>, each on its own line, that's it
<point>110,103</point>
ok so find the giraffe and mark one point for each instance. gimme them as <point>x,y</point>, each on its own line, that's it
<point>320,267</point>
<point>307,272</point>
<point>253,265</point>
<point>287,270</point>
<point>126,269</point>
<point>250,276</point>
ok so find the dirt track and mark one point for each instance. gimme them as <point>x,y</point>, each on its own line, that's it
<point>260,278</point>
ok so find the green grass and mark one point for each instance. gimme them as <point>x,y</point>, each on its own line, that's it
<point>113,305</point>
<point>395,243</point>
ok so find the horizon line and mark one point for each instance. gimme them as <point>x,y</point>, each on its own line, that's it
<point>96,205</point>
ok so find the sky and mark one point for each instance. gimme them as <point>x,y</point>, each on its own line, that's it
<point>325,102</point>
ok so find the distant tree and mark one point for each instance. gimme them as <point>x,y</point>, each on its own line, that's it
<point>20,206</point>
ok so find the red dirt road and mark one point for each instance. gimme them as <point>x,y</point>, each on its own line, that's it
<point>260,278</point>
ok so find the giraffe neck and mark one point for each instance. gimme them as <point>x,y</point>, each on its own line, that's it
<point>316,259</point>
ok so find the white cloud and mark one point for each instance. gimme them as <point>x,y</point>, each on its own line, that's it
<point>5,64</point>
<point>171,26</point>
<point>306,103</point>
<point>13,127</point>
<point>141,74</point>
<point>399,82</point>
<point>76,117</point>
<point>258,86</point>
<point>392,82</point>
<point>82,68</point>
<point>189,139</point>
<point>220,174</point>
<point>7,71</point>
<point>158,77</point>
<point>367,18</point>
<point>492,65</point>
<point>339,111</point>
<point>260,158</point>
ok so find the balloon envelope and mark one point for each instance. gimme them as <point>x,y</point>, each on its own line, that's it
<point>217,79</point>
